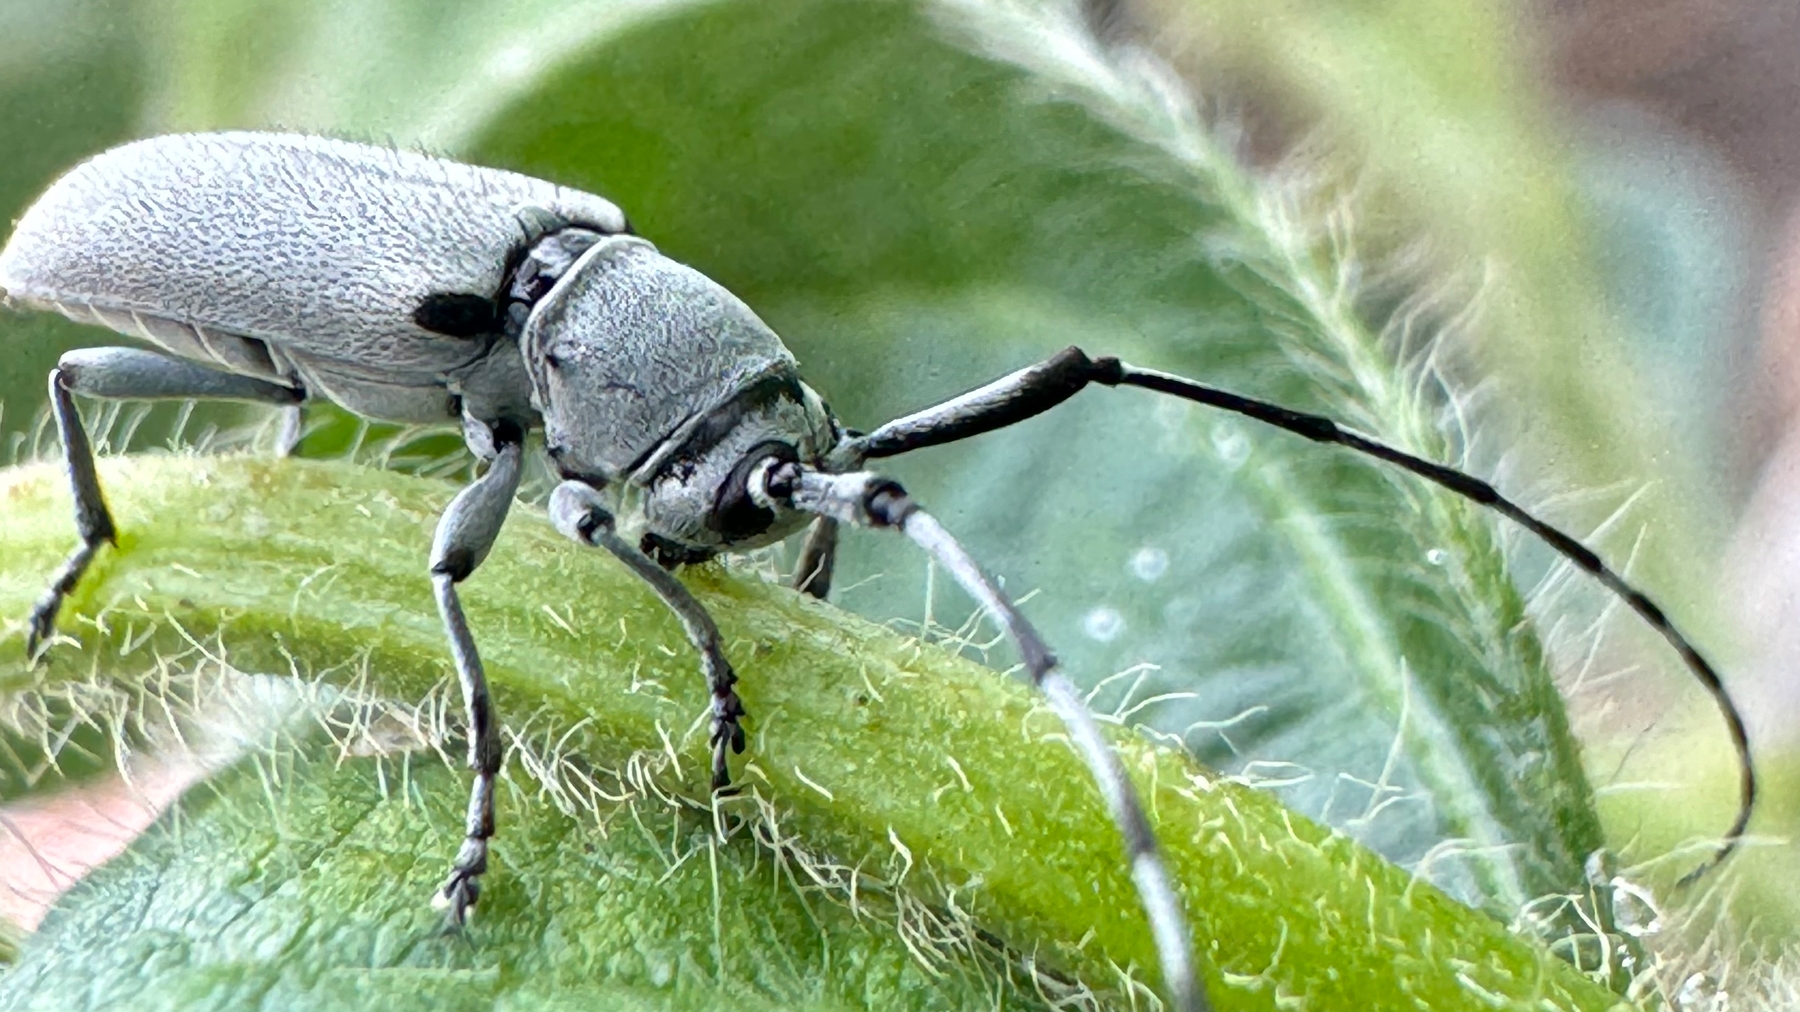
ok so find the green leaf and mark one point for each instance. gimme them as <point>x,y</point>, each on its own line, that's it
<point>313,872</point>
<point>884,776</point>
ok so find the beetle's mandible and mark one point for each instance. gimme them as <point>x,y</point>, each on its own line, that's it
<point>279,268</point>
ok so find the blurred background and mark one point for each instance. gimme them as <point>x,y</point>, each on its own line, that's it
<point>1556,243</point>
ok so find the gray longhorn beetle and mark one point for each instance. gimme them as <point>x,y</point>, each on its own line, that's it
<point>277,269</point>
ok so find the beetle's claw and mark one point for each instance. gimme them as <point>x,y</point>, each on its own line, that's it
<point>459,893</point>
<point>41,628</point>
<point>457,897</point>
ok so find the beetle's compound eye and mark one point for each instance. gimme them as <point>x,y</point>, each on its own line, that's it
<point>736,515</point>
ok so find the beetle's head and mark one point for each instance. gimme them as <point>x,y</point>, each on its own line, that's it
<point>660,387</point>
<point>695,495</point>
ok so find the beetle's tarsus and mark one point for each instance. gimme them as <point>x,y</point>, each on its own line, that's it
<point>41,628</point>
<point>727,709</point>
<point>726,733</point>
<point>42,625</point>
<point>458,895</point>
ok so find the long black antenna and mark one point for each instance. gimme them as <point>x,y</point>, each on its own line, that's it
<point>1112,372</point>
<point>1038,388</point>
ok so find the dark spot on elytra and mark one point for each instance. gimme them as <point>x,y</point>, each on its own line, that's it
<point>458,314</point>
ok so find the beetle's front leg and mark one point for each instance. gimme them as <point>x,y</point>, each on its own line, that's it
<point>578,511</point>
<point>464,534</point>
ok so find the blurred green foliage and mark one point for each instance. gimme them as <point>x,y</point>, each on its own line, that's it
<point>919,196</point>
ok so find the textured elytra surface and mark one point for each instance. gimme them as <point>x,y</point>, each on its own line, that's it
<point>307,257</point>
<point>306,567</point>
<point>320,245</point>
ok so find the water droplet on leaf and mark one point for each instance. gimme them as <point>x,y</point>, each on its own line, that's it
<point>1149,564</point>
<point>1103,624</point>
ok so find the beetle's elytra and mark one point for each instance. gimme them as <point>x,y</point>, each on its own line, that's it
<point>280,269</point>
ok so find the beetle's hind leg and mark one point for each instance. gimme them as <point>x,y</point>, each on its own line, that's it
<point>119,374</point>
<point>465,533</point>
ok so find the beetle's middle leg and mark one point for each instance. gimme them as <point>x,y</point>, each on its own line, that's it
<point>120,374</point>
<point>465,533</point>
<point>578,512</point>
